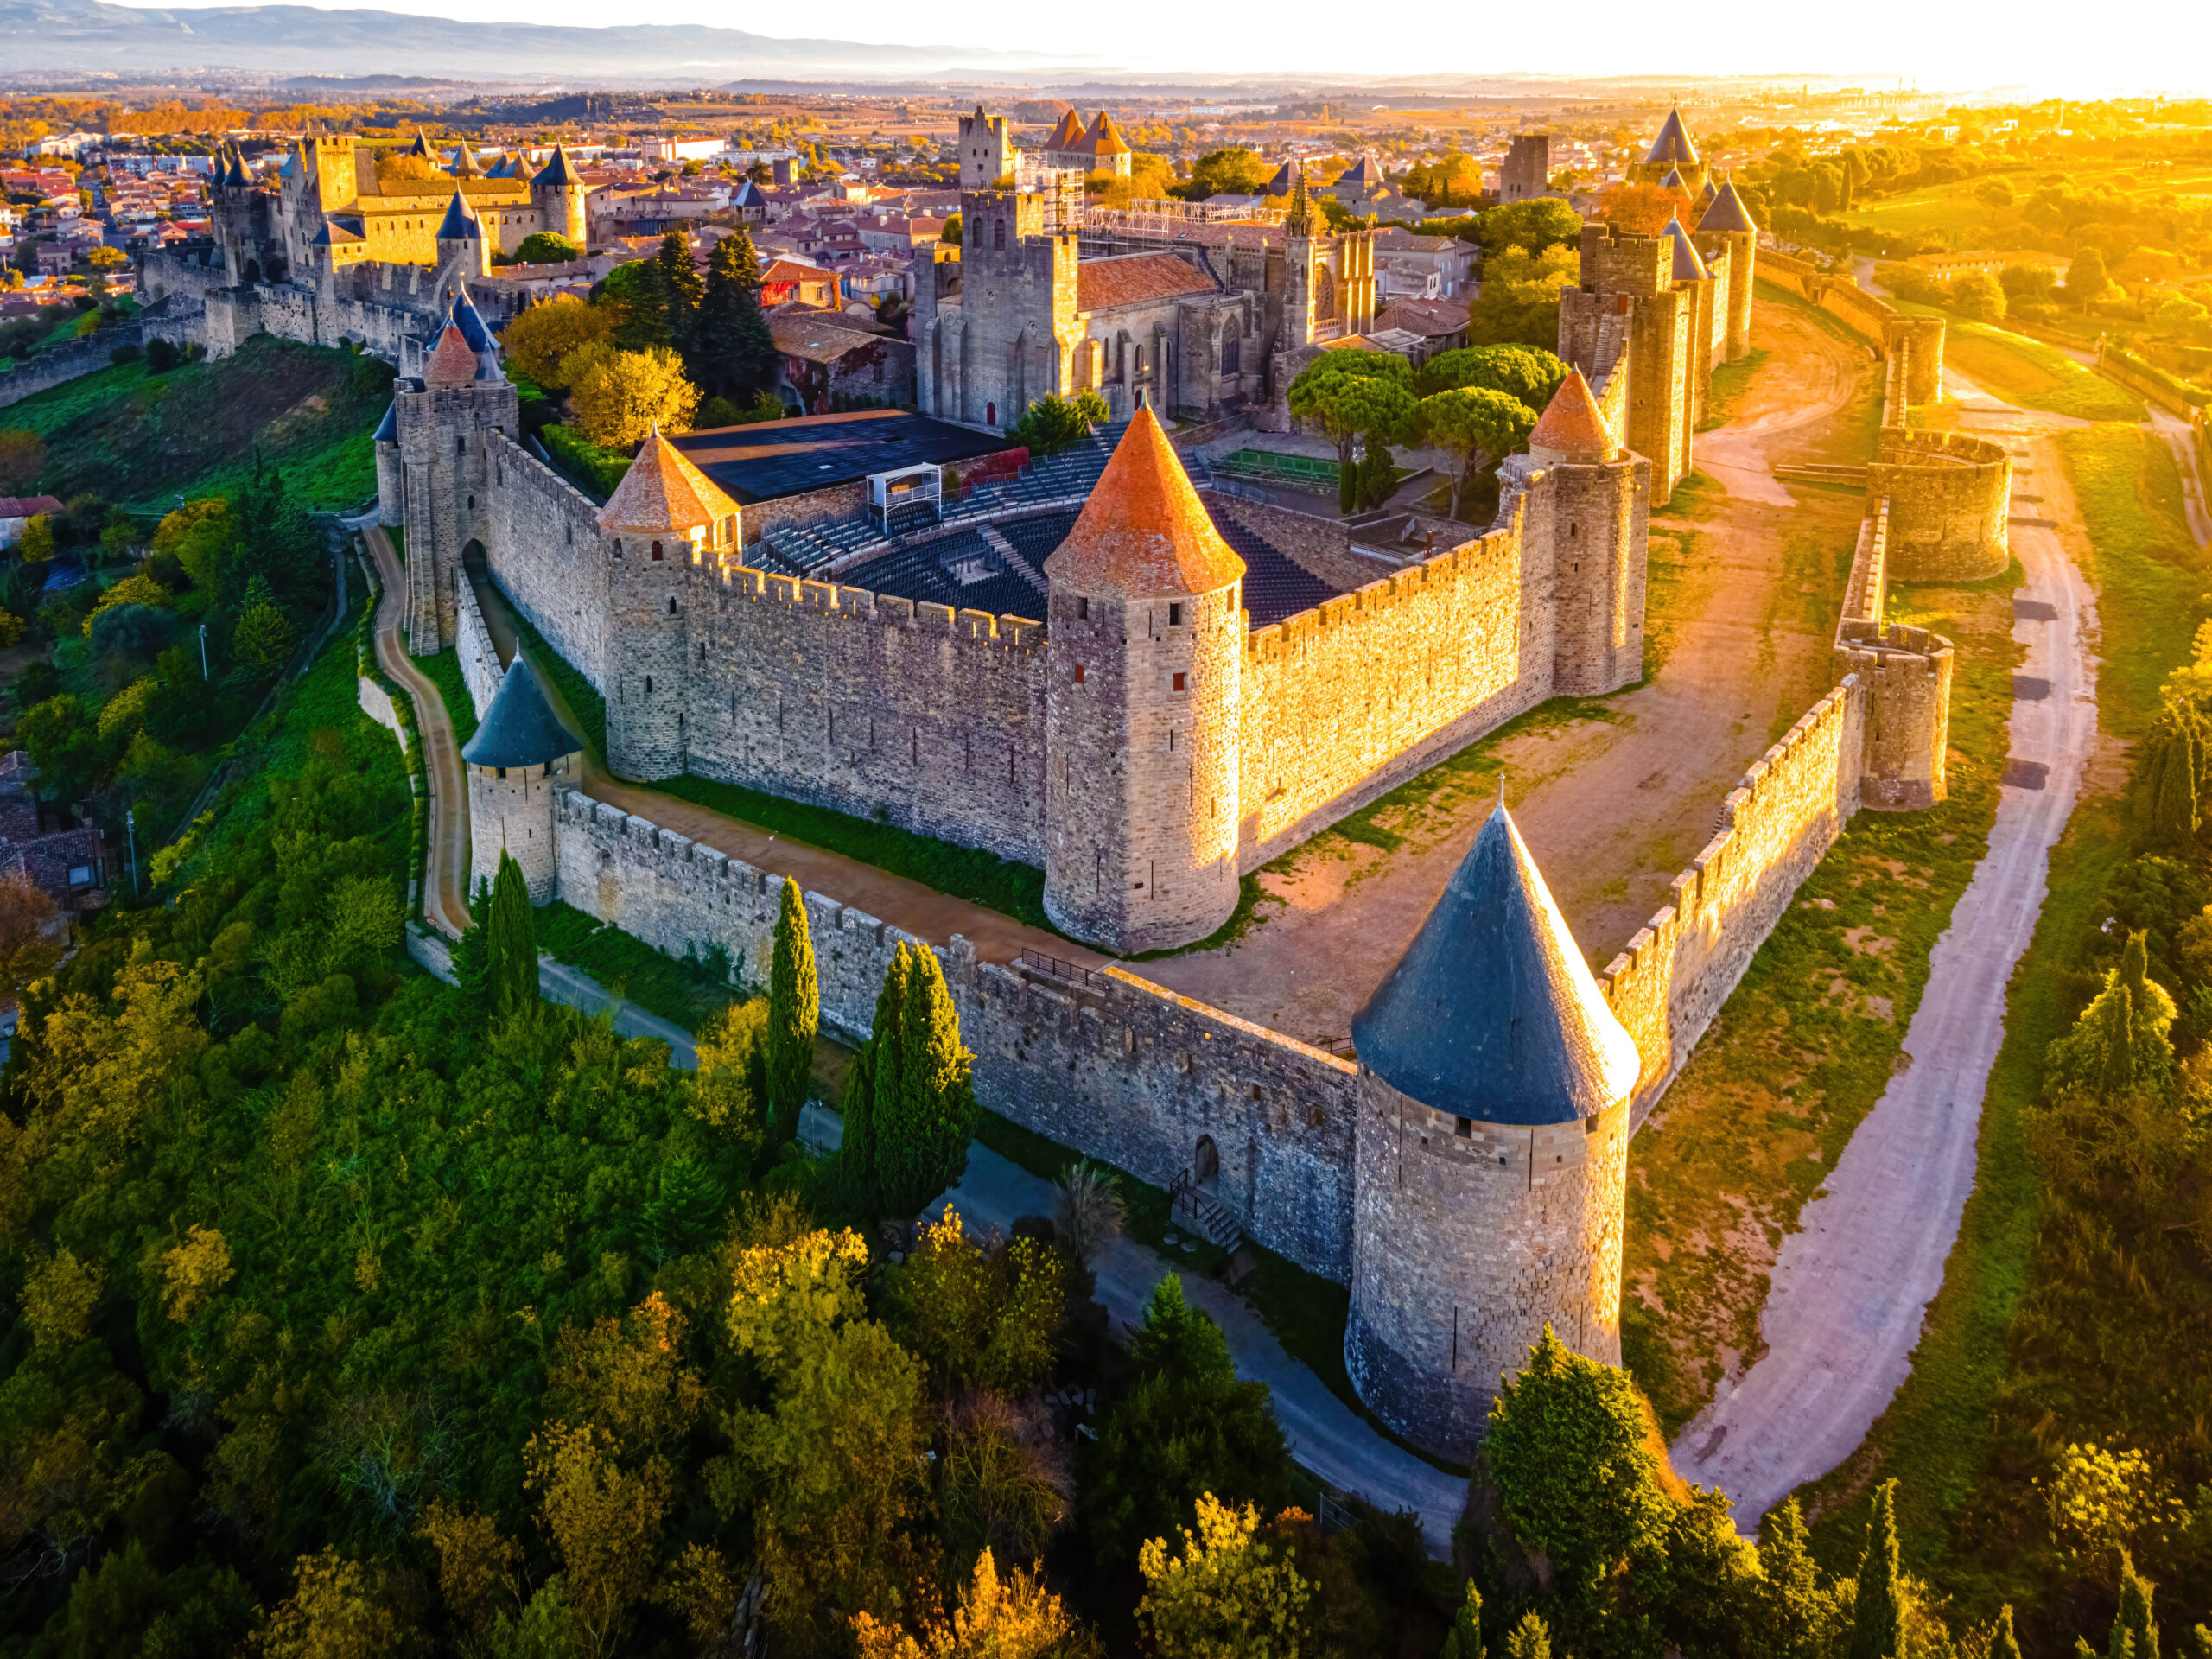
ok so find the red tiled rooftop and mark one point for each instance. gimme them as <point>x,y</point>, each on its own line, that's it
<point>1144,534</point>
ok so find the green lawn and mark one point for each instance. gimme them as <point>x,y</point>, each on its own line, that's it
<point>2028,372</point>
<point>443,670</point>
<point>686,991</point>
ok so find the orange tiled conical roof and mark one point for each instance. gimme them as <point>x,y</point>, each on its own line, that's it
<point>1144,534</point>
<point>664,491</point>
<point>1104,138</point>
<point>1064,135</point>
<point>1573,428</point>
<point>451,363</point>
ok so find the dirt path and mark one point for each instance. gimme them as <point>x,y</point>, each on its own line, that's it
<point>445,882</point>
<point>1615,803</point>
<point>2175,431</point>
<point>923,911</point>
<point>1851,1287</point>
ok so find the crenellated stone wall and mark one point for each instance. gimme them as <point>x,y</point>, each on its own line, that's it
<point>479,658</point>
<point>1949,496</point>
<point>57,364</point>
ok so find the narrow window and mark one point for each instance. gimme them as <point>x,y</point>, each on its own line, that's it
<point>649,683</point>
<point>1178,682</point>
<point>618,548</point>
<point>656,552</point>
<point>1083,610</point>
<point>1078,673</point>
<point>1174,616</point>
<point>671,604</point>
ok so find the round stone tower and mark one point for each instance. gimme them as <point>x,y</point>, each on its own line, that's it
<point>662,521</point>
<point>1727,223</point>
<point>1598,496</point>
<point>520,756</point>
<point>461,236</point>
<point>1491,1154</point>
<point>558,193</point>
<point>1144,658</point>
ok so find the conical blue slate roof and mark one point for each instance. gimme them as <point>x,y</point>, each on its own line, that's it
<point>1727,213</point>
<point>1672,147</point>
<point>558,169</point>
<point>465,316</point>
<point>388,428</point>
<point>1673,180</point>
<point>1491,1013</point>
<point>520,728</point>
<point>1688,268</point>
<point>460,223</point>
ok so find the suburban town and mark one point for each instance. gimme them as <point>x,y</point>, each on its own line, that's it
<point>1013,850</point>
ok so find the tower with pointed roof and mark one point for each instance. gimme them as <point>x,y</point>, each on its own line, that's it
<point>1671,160</point>
<point>1726,225</point>
<point>461,240</point>
<point>1298,295</point>
<point>1490,1154</point>
<point>443,422</point>
<point>1144,653</point>
<point>1587,506</point>
<point>521,756</point>
<point>664,524</point>
<point>558,191</point>
<point>1708,311</point>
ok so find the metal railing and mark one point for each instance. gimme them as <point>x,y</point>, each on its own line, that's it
<point>1056,968</point>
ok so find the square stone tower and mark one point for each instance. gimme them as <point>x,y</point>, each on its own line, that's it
<point>1630,314</point>
<point>987,155</point>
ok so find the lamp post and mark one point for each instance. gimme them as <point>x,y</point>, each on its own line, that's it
<point>203,651</point>
<point>130,829</point>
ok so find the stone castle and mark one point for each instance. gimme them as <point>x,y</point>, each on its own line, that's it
<point>1147,690</point>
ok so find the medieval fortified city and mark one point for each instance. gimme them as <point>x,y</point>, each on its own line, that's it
<point>1013,851</point>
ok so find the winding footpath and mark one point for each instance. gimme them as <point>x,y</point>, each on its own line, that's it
<point>1850,1289</point>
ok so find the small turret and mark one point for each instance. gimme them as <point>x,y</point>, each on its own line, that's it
<point>1573,428</point>
<point>1144,655</point>
<point>464,163</point>
<point>1590,507</point>
<point>521,755</point>
<point>421,146</point>
<point>1727,223</point>
<point>1491,1153</point>
<point>662,520</point>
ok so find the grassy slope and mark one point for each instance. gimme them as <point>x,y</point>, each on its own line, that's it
<point>444,670</point>
<point>2028,372</point>
<point>685,991</point>
<point>144,439</point>
<point>1805,1046</point>
<point>1937,1433</point>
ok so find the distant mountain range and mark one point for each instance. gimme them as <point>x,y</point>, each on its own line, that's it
<point>88,35</point>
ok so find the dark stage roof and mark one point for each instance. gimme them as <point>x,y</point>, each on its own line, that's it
<point>779,458</point>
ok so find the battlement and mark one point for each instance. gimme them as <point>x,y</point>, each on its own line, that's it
<point>1020,633</point>
<point>1948,500</point>
<point>1668,983</point>
<point>1615,262</point>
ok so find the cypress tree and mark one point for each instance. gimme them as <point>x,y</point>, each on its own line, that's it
<point>2003,1644</point>
<point>472,951</point>
<point>2175,768</point>
<point>736,350</point>
<point>1529,1639</point>
<point>859,1150</point>
<point>794,1016</point>
<point>1878,1614</point>
<point>2133,1620</point>
<point>2119,1072</point>
<point>922,1144</point>
<point>682,291</point>
<point>1464,1639</point>
<point>510,940</point>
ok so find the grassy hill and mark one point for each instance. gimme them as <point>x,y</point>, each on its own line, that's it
<point>144,439</point>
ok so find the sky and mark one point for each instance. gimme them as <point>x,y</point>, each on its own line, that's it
<point>2114,47</point>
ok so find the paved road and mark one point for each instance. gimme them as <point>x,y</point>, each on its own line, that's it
<point>445,882</point>
<point>1851,1287</point>
<point>1326,1435</point>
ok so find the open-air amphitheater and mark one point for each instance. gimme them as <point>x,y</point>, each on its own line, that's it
<point>1098,666</point>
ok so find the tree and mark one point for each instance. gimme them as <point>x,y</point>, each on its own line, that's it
<point>736,352</point>
<point>1793,1612</point>
<point>2028,284</point>
<point>2003,1644</point>
<point>264,637</point>
<point>1529,1639</point>
<point>682,292</point>
<point>35,544</point>
<point>794,1015</point>
<point>1351,393</point>
<point>981,1313</point>
<point>2122,1040</point>
<point>2133,1618</point>
<point>511,944</point>
<point>336,1610</point>
<point>1088,1212</point>
<point>1227,1596</point>
<point>1878,1610</point>
<point>1187,1427</point>
<point>1643,209</point>
<point>1519,302</point>
<point>925,1107</point>
<point>2174,768</point>
<point>543,337</point>
<point>1578,1466</point>
<point>2087,279</point>
<point>1464,1639</point>
<point>1533,226</point>
<point>1013,1617</point>
<point>633,292</point>
<point>31,941</point>
<point>1226,172</point>
<point>1527,374</point>
<point>22,458</point>
<point>949,233</point>
<point>1053,423</point>
<point>1475,427</point>
<point>116,534</point>
<point>547,248</point>
<point>203,539</point>
<point>1978,297</point>
<point>472,951</point>
<point>829,1461</point>
<point>605,1520</point>
<point>620,397</point>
